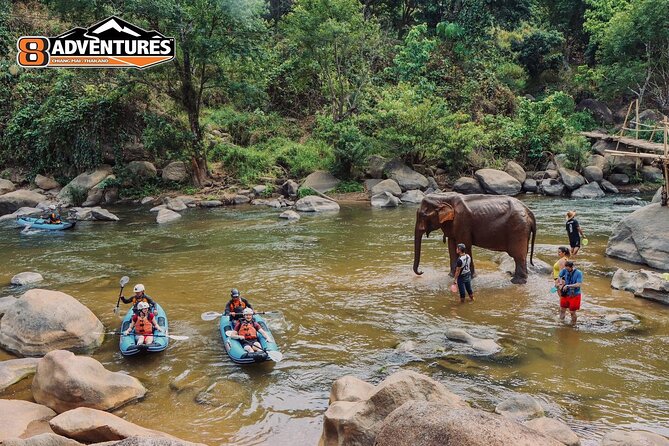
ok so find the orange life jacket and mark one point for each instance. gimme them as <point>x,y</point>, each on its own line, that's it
<point>248,330</point>
<point>233,307</point>
<point>53,219</point>
<point>143,325</point>
<point>135,300</point>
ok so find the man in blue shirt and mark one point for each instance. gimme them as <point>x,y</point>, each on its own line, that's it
<point>570,280</point>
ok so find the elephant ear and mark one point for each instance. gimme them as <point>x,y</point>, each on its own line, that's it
<point>446,213</point>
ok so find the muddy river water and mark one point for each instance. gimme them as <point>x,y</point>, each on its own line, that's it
<point>348,295</point>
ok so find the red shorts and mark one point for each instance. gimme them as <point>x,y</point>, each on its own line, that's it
<point>571,302</point>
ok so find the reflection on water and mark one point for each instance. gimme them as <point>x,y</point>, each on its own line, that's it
<point>348,297</point>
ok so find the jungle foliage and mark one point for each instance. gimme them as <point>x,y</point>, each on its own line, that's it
<point>283,87</point>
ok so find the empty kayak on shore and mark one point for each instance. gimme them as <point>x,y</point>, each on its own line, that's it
<point>40,223</point>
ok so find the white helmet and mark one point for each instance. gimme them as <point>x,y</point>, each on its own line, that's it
<point>138,288</point>
<point>247,311</point>
<point>52,207</point>
<point>142,305</point>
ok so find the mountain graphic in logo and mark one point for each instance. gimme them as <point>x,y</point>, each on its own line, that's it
<point>113,42</point>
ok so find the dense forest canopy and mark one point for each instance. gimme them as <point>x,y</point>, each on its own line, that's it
<point>279,87</point>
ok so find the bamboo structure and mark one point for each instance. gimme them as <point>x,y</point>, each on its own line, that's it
<point>641,146</point>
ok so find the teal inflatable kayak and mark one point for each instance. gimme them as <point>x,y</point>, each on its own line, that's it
<point>40,223</point>
<point>127,343</point>
<point>234,348</point>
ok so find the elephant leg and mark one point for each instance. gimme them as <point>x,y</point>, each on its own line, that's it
<point>452,255</point>
<point>520,274</point>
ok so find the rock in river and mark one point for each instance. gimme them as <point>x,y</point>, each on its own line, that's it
<point>520,407</point>
<point>26,278</point>
<point>20,419</point>
<point>313,203</point>
<point>14,370</point>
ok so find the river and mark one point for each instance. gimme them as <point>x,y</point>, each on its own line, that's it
<point>348,295</point>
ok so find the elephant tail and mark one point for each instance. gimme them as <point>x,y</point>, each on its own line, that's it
<point>533,230</point>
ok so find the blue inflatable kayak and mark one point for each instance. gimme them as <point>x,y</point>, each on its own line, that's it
<point>160,341</point>
<point>40,223</point>
<point>234,348</point>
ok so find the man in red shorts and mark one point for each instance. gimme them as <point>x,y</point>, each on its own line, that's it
<point>571,280</point>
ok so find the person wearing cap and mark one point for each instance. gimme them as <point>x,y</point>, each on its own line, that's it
<point>247,331</point>
<point>463,272</point>
<point>570,280</point>
<point>236,305</point>
<point>574,232</point>
<point>139,296</point>
<point>143,322</point>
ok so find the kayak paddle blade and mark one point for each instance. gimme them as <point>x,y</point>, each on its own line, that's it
<point>210,315</point>
<point>124,281</point>
<point>275,355</point>
<point>177,338</point>
<point>27,228</point>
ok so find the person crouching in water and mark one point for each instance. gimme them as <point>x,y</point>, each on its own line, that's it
<point>143,322</point>
<point>248,329</point>
<point>571,280</point>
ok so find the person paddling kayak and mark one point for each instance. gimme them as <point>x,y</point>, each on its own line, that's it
<point>236,305</point>
<point>248,329</point>
<point>139,296</point>
<point>143,322</point>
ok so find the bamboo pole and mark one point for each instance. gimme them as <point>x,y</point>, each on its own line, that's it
<point>622,130</point>
<point>665,164</point>
<point>637,119</point>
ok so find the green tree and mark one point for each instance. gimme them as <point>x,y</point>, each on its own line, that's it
<point>339,46</point>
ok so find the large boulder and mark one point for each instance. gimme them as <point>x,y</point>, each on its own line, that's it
<point>597,109</point>
<point>175,171</point>
<point>520,407</point>
<point>497,182</point>
<point>142,169</point>
<point>21,198</point>
<point>601,146</point>
<point>597,161</point>
<point>321,181</point>
<point>530,185</point>
<point>289,188</point>
<point>94,197</point>
<point>350,388</point>
<point>313,203</point>
<point>652,174</point>
<point>166,216</point>
<point>619,179</point>
<point>636,239</point>
<point>14,370</point>
<point>621,164</point>
<point>657,198</point>
<point>46,439</point>
<point>390,186</point>
<point>571,179</point>
<point>407,178</point>
<point>551,187</point>
<point>412,196</point>
<point>26,278</point>
<point>467,185</point>
<point>290,215</point>
<point>607,186</point>
<point>375,165</point>
<point>593,173</point>
<point>91,214</point>
<point>22,419</point>
<point>591,190</point>
<point>484,347</point>
<point>64,382</point>
<point>100,214</point>
<point>633,438</point>
<point>435,424</point>
<point>6,186</point>
<point>175,204</point>
<point>555,429</point>
<point>84,182</point>
<point>385,200</point>
<point>46,183</point>
<point>515,170</point>
<point>44,320</point>
<point>643,283</point>
<point>358,422</point>
<point>93,426</point>
<point>6,303</point>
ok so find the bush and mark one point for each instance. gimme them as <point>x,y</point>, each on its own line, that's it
<point>577,150</point>
<point>248,128</point>
<point>78,195</point>
<point>305,192</point>
<point>300,160</point>
<point>350,147</point>
<point>346,187</point>
<point>165,138</point>
<point>246,163</point>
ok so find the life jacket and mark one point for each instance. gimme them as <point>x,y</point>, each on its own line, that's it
<point>135,300</point>
<point>144,326</point>
<point>54,219</point>
<point>248,330</point>
<point>237,308</point>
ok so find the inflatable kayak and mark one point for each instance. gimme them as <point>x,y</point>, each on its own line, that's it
<point>234,348</point>
<point>160,341</point>
<point>40,223</point>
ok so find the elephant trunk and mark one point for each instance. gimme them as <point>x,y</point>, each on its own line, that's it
<point>418,237</point>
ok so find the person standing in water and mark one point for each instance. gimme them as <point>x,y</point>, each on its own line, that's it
<point>563,257</point>
<point>574,232</point>
<point>463,273</point>
<point>570,280</point>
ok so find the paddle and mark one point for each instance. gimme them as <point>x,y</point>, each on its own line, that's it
<point>211,315</point>
<point>123,282</point>
<point>175,337</point>
<point>274,355</point>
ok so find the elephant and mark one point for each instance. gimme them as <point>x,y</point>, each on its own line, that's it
<point>495,222</point>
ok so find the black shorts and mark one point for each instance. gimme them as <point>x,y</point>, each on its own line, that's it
<point>575,243</point>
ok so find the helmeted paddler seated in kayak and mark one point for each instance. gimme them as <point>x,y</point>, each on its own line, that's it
<point>143,322</point>
<point>236,305</point>
<point>248,329</point>
<point>139,296</point>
